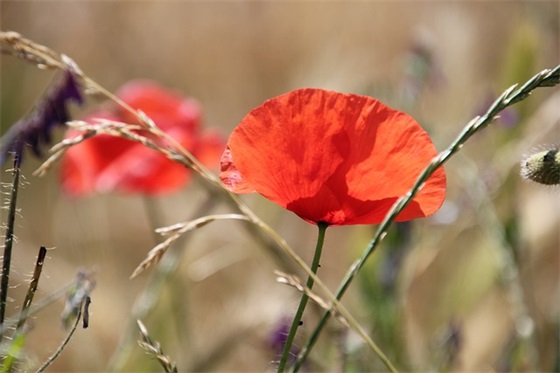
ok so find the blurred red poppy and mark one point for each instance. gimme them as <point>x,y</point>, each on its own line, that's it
<point>330,157</point>
<point>106,163</point>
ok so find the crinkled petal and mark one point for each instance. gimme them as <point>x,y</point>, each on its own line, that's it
<point>230,175</point>
<point>332,157</point>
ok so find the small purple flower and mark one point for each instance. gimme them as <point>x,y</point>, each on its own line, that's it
<point>278,336</point>
<point>36,128</point>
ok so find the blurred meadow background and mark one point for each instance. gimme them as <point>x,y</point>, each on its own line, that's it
<point>473,288</point>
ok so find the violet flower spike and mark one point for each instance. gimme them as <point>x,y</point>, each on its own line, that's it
<point>35,129</point>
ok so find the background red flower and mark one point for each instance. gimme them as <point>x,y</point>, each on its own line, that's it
<point>105,163</point>
<point>332,157</point>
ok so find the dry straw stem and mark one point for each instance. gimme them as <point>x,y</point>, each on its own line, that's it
<point>44,57</point>
<point>545,78</point>
<point>176,231</point>
<point>26,49</point>
<point>153,348</point>
<point>100,126</point>
<point>295,282</point>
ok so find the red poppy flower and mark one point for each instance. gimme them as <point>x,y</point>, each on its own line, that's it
<point>332,157</point>
<point>106,163</point>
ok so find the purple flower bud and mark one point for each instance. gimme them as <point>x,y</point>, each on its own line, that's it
<point>278,336</point>
<point>35,129</point>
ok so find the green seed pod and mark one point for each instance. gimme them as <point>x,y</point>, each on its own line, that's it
<point>542,167</point>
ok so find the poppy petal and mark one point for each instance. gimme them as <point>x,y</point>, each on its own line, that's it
<point>166,108</point>
<point>107,164</point>
<point>142,170</point>
<point>230,175</point>
<point>82,164</point>
<point>209,148</point>
<point>332,157</point>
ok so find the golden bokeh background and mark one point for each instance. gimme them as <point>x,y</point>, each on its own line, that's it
<point>218,311</point>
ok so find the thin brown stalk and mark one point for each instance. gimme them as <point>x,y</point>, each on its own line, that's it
<point>63,345</point>
<point>32,288</point>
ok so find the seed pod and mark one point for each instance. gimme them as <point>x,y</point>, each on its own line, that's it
<point>542,167</point>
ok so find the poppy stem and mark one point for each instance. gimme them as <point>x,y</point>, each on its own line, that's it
<point>304,298</point>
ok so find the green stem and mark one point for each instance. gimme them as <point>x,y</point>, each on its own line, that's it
<point>304,298</point>
<point>12,209</point>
